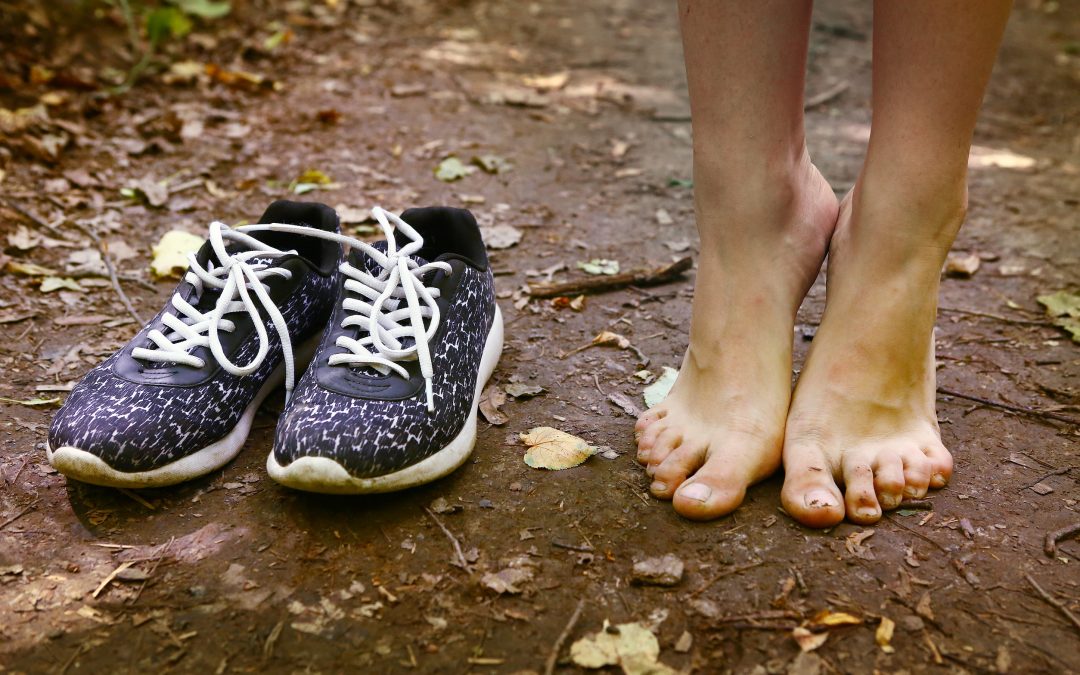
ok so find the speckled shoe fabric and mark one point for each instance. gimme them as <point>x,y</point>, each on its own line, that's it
<point>390,399</point>
<point>178,400</point>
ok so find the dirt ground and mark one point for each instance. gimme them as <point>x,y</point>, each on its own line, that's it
<point>587,101</point>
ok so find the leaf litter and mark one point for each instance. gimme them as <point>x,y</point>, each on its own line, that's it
<point>631,646</point>
<point>171,253</point>
<point>550,448</point>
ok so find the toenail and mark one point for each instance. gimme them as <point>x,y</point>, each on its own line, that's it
<point>889,501</point>
<point>696,491</point>
<point>938,480</point>
<point>910,491</point>
<point>820,499</point>
<point>867,512</point>
<point>657,486</point>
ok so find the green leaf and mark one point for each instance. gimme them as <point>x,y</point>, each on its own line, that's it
<point>204,9</point>
<point>451,169</point>
<point>1063,308</point>
<point>680,182</point>
<point>1061,303</point>
<point>658,391</point>
<point>166,22</point>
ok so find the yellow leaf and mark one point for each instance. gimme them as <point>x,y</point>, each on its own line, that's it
<point>827,618</point>
<point>884,633</point>
<point>552,449</point>
<point>28,269</point>
<point>609,339</point>
<point>170,254</point>
<point>31,401</point>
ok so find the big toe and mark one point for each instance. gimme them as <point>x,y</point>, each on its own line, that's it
<point>712,492</point>
<point>810,494</point>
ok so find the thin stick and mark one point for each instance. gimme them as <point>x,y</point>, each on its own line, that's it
<point>995,317</point>
<point>1052,538</point>
<point>18,515</point>
<point>725,573</point>
<point>90,232</point>
<point>1053,601</point>
<point>153,568</point>
<point>1023,410</point>
<point>134,496</point>
<point>453,540</point>
<point>827,95</point>
<point>553,657</point>
<point>643,276</point>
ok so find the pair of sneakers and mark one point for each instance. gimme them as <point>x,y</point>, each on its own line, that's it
<point>398,339</point>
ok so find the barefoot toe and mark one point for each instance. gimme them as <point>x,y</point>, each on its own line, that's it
<point>941,464</point>
<point>669,474</point>
<point>917,471</point>
<point>889,480</point>
<point>710,493</point>
<point>860,496</point>
<point>810,495</point>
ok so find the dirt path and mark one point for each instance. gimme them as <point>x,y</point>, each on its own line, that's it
<point>233,573</point>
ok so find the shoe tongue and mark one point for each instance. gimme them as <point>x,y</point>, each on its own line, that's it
<point>374,267</point>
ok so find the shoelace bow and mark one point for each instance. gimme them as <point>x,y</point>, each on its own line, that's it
<point>397,293</point>
<point>235,276</point>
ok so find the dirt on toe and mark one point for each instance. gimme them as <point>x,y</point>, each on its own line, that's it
<point>571,123</point>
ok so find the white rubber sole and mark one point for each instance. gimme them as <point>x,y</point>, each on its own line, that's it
<point>89,468</point>
<point>322,474</point>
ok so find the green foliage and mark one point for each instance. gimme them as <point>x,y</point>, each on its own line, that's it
<point>171,19</point>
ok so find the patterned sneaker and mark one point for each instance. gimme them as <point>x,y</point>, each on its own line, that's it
<point>391,397</point>
<point>175,402</point>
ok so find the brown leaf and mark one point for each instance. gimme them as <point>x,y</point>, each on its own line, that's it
<point>492,397</point>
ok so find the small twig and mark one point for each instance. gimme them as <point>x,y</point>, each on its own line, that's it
<point>917,505</point>
<point>1023,410</point>
<point>644,276</point>
<point>29,507</point>
<point>827,95</point>
<point>553,657</point>
<point>271,640</point>
<point>725,573</point>
<point>112,575</point>
<point>33,217</point>
<point>996,317</point>
<point>107,259</point>
<point>1056,472</point>
<point>572,547</point>
<point>1053,601</point>
<point>134,496</point>
<point>453,540</point>
<point>153,568</point>
<point>1052,538</point>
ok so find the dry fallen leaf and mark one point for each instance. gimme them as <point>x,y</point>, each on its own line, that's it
<point>658,391</point>
<point>827,618</point>
<point>50,284</point>
<point>492,397</point>
<point>808,640</point>
<point>552,449</point>
<point>170,253</point>
<point>884,633</point>
<point>28,269</point>
<point>629,645</point>
<point>854,544</point>
<point>962,265</point>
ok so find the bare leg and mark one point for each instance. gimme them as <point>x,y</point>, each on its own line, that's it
<point>863,413</point>
<point>764,215</point>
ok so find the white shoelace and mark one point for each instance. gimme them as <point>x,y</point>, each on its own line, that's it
<point>396,294</point>
<point>236,276</point>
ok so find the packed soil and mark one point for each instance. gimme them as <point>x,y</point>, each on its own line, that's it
<point>586,101</point>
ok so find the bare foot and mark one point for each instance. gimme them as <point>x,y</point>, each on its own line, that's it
<point>721,428</point>
<point>863,414</point>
